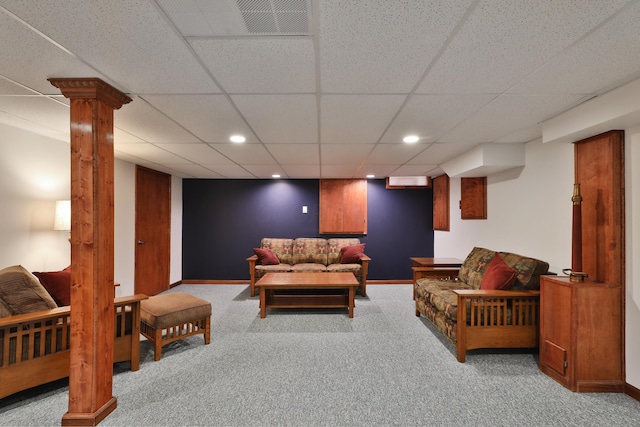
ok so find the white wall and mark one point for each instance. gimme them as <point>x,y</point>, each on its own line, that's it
<point>528,210</point>
<point>34,173</point>
<point>632,248</point>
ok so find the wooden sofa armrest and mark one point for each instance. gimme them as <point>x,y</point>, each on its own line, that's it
<point>496,318</point>
<point>129,299</point>
<point>34,317</point>
<point>252,260</point>
<point>364,260</point>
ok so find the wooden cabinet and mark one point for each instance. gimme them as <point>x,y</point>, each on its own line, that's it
<point>473,198</point>
<point>343,206</point>
<point>581,334</point>
<point>441,203</point>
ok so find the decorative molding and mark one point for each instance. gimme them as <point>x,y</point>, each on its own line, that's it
<point>91,88</point>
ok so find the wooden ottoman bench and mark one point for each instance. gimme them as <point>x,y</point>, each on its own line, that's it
<point>170,317</point>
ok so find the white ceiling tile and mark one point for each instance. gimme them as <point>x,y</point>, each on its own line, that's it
<point>380,171</point>
<point>36,128</point>
<point>415,170</point>
<point>337,154</point>
<point>338,171</point>
<point>8,87</point>
<point>302,171</point>
<point>260,65</point>
<point>193,171</point>
<point>429,116</point>
<point>211,118</point>
<point>439,153</point>
<point>197,153</point>
<point>281,118</point>
<point>578,70</point>
<point>503,40</point>
<point>230,171</point>
<point>381,46</point>
<point>110,36</point>
<point>395,153</point>
<point>264,171</point>
<point>123,137</point>
<point>507,114</point>
<point>145,122</point>
<point>302,154</point>
<point>39,109</point>
<point>246,154</point>
<point>44,60</point>
<point>152,153</point>
<point>357,118</point>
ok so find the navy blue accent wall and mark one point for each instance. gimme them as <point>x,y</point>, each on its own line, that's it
<point>223,220</point>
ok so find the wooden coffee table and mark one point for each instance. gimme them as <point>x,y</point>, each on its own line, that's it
<point>307,290</point>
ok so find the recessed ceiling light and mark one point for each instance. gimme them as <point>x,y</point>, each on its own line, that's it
<point>410,139</point>
<point>371,176</point>
<point>275,175</point>
<point>237,138</point>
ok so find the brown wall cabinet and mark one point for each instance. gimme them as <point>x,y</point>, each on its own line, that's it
<point>343,206</point>
<point>581,342</point>
<point>441,203</point>
<point>473,198</point>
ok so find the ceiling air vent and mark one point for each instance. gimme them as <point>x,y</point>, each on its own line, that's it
<point>275,16</point>
<point>408,182</point>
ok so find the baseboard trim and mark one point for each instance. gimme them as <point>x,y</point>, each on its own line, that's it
<point>632,391</point>
<point>246,282</point>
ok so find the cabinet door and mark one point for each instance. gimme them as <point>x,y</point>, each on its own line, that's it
<point>555,328</point>
<point>473,198</point>
<point>441,203</point>
<point>343,206</point>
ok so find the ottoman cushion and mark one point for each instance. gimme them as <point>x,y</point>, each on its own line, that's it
<point>163,311</point>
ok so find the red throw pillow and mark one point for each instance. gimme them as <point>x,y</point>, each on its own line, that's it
<point>266,256</point>
<point>498,275</point>
<point>351,254</point>
<point>58,284</point>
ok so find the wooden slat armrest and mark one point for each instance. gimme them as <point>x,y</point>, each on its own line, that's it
<point>35,316</point>
<point>252,258</point>
<point>129,299</point>
<point>55,312</point>
<point>469,293</point>
<point>364,258</point>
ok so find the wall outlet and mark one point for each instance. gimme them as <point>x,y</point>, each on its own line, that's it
<point>304,209</point>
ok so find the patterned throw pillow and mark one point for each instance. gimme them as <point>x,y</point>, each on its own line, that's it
<point>498,275</point>
<point>266,256</point>
<point>351,254</point>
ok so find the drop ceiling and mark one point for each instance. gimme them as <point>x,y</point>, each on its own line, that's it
<point>320,88</point>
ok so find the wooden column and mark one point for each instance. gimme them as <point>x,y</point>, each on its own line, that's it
<point>92,311</point>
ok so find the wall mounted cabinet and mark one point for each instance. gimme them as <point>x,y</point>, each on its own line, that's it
<point>473,198</point>
<point>343,206</point>
<point>441,203</point>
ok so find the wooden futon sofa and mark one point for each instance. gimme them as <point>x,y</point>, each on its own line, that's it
<point>493,303</point>
<point>34,332</point>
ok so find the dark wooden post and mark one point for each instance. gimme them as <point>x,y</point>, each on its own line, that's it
<point>92,311</point>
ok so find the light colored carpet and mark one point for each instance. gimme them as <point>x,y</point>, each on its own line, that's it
<point>320,368</point>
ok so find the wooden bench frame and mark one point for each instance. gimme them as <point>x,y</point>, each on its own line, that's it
<point>35,346</point>
<point>497,319</point>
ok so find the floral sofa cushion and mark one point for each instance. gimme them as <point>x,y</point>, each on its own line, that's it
<point>310,250</point>
<point>283,248</point>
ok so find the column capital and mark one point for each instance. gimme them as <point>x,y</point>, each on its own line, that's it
<point>91,88</point>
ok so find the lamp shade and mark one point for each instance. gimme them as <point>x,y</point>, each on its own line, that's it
<point>62,220</point>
